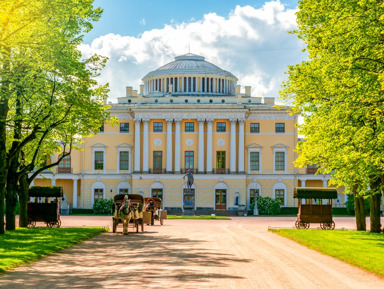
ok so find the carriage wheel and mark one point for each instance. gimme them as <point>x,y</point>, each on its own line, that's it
<point>31,223</point>
<point>327,226</point>
<point>301,225</point>
<point>50,224</point>
<point>114,225</point>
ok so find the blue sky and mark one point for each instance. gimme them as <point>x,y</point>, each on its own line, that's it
<point>133,17</point>
<point>248,38</point>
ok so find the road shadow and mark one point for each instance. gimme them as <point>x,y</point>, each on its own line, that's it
<point>116,261</point>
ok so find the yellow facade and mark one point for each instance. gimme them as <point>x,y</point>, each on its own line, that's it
<point>191,101</point>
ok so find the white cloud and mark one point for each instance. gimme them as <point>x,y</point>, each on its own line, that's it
<point>251,43</point>
<point>143,22</point>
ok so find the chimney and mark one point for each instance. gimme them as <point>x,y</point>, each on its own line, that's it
<point>142,89</point>
<point>134,93</point>
<point>237,89</point>
<point>247,91</point>
<point>128,91</point>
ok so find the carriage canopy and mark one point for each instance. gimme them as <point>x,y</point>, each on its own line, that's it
<point>315,193</point>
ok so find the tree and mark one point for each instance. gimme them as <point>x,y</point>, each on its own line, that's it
<point>48,93</point>
<point>339,93</point>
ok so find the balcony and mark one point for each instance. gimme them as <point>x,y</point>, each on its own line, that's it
<point>220,171</point>
<point>157,171</point>
<point>64,170</point>
<point>184,171</point>
<point>311,170</point>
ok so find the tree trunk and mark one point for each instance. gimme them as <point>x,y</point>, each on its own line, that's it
<point>23,199</point>
<point>375,201</point>
<point>360,212</point>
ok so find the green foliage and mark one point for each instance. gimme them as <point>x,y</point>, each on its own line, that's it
<point>266,206</point>
<point>358,248</point>
<point>103,207</point>
<point>25,245</point>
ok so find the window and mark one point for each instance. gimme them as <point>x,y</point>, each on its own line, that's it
<point>220,127</point>
<point>99,160</point>
<point>279,161</point>
<point>220,161</point>
<point>189,158</point>
<point>254,161</point>
<point>157,126</point>
<point>124,161</point>
<point>255,127</point>
<point>124,127</point>
<point>189,127</point>
<point>102,128</point>
<point>98,195</point>
<point>123,191</point>
<point>157,161</point>
<point>221,200</point>
<point>157,193</point>
<point>279,195</point>
<point>280,127</point>
<point>65,162</point>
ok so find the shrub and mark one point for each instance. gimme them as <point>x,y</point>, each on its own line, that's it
<point>350,205</point>
<point>103,207</point>
<point>266,206</point>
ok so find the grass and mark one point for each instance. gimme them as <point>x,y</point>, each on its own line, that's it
<point>24,245</point>
<point>200,217</point>
<point>359,248</point>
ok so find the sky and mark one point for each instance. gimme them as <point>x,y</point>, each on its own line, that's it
<point>248,38</point>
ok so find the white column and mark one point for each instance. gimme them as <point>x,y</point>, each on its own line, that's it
<point>201,84</point>
<point>53,182</point>
<point>303,183</point>
<point>206,88</point>
<point>137,145</point>
<point>169,145</point>
<point>209,145</point>
<point>145,146</point>
<point>201,146</point>
<point>174,84</point>
<point>74,194</point>
<point>177,145</point>
<point>241,146</point>
<point>232,163</point>
<point>325,183</point>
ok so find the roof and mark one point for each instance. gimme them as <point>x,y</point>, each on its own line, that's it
<point>189,64</point>
<point>315,193</point>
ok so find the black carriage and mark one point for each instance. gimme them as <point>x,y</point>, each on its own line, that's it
<point>317,207</point>
<point>136,204</point>
<point>154,207</point>
<point>44,206</point>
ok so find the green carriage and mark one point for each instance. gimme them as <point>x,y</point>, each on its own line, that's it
<point>317,207</point>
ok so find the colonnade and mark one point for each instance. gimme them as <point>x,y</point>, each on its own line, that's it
<point>190,84</point>
<point>208,165</point>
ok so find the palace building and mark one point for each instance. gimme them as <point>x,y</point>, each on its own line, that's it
<point>189,115</point>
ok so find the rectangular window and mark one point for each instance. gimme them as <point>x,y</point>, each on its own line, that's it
<point>255,127</point>
<point>157,193</point>
<point>189,160</point>
<point>189,127</point>
<point>99,160</point>
<point>157,126</point>
<point>123,191</point>
<point>279,195</point>
<point>98,195</point>
<point>65,162</point>
<point>280,127</point>
<point>157,160</point>
<point>279,161</point>
<point>220,127</point>
<point>124,161</point>
<point>102,128</point>
<point>254,161</point>
<point>124,127</point>
<point>220,161</point>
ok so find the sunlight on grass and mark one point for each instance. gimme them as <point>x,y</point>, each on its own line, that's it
<point>25,245</point>
<point>362,249</point>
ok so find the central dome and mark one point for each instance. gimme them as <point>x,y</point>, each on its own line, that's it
<point>189,74</point>
<point>189,64</point>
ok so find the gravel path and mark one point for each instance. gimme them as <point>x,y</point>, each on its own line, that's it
<point>237,253</point>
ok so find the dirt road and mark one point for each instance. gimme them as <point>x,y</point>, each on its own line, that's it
<point>237,253</point>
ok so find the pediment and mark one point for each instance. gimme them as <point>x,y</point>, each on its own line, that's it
<point>279,146</point>
<point>98,145</point>
<point>255,146</point>
<point>124,146</point>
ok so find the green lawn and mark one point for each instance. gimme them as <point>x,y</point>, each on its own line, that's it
<point>199,217</point>
<point>25,245</point>
<point>362,249</point>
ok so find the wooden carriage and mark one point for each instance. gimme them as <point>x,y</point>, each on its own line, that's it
<point>317,207</point>
<point>136,203</point>
<point>44,205</point>
<point>153,211</point>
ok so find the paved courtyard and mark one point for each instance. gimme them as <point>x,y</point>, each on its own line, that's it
<point>237,253</point>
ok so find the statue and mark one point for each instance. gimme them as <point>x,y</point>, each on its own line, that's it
<point>189,175</point>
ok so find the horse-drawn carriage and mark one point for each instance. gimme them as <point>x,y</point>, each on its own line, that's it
<point>44,205</point>
<point>128,209</point>
<point>317,207</point>
<point>154,207</point>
